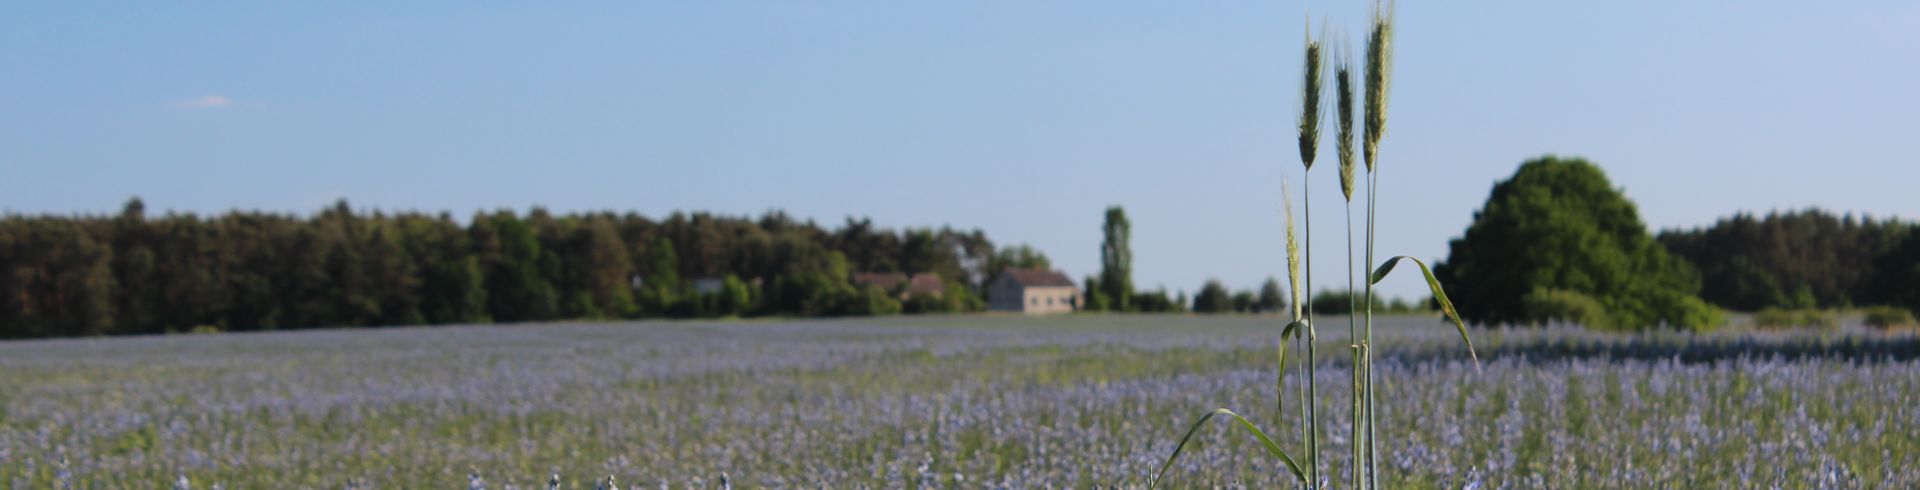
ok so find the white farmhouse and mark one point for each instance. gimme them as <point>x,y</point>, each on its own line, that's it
<point>1034,292</point>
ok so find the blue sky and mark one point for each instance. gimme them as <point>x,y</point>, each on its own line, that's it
<point>1022,118</point>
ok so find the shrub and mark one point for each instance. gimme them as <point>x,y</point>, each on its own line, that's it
<point>956,299</point>
<point>1819,319</point>
<point>1213,298</point>
<point>1545,305</point>
<point>926,303</point>
<point>1887,317</point>
<point>1156,301</point>
<point>1331,302</point>
<point>1688,312</point>
<point>1783,318</point>
<point>871,300</point>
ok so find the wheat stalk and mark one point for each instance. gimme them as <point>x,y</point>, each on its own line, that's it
<point>1311,86</point>
<point>1378,79</point>
<point>1343,126</point>
<point>1299,303</point>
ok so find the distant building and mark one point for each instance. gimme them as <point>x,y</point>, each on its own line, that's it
<point>1033,292</point>
<point>925,284</point>
<point>884,280</point>
<point>922,284</point>
<point>708,285</point>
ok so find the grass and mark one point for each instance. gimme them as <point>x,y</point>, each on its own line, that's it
<point>1887,318</point>
<point>1776,318</point>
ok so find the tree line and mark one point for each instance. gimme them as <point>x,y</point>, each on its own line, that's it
<point>1558,242</point>
<point>244,270</point>
<point>1555,242</point>
<point>1794,260</point>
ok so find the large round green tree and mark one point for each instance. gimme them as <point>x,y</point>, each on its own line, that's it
<point>1558,230</point>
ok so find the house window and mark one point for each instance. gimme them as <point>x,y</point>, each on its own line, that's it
<point>1033,301</point>
<point>1049,301</point>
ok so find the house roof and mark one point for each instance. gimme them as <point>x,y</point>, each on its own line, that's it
<point>919,284</point>
<point>1038,278</point>
<point>926,283</point>
<point>884,280</point>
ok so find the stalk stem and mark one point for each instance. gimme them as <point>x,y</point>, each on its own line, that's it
<point>1366,356</point>
<point>1306,416</point>
<point>1373,440</point>
<point>1313,412</point>
<point>1353,336</point>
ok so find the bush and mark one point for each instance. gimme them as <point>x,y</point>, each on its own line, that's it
<point>871,300</point>
<point>1784,318</point>
<point>1689,312</point>
<point>735,297</point>
<point>926,304</point>
<point>1246,302</point>
<point>1097,301</point>
<point>1213,298</point>
<point>1888,317</point>
<point>1545,305</point>
<point>1155,302</point>
<point>1330,302</point>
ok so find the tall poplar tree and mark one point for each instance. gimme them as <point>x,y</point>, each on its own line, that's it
<point>1116,260</point>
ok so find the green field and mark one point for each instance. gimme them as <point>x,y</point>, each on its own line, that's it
<point>945,402</point>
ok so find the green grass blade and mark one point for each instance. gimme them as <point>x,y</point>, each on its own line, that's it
<point>1439,295</point>
<point>1272,448</point>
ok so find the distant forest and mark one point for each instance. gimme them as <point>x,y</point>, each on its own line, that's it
<point>63,276</point>
<point>1800,259</point>
<point>135,274</point>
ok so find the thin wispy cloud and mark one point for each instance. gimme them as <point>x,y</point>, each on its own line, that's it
<point>213,101</point>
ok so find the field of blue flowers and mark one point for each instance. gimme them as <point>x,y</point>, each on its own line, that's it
<point>945,402</point>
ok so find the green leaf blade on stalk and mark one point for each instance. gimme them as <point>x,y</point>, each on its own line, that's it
<point>1292,330</point>
<point>1439,296</point>
<point>1272,448</point>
